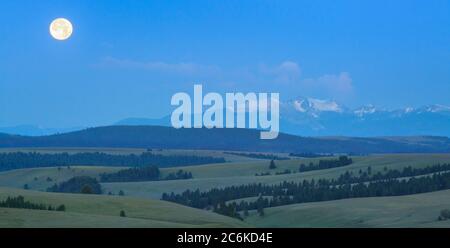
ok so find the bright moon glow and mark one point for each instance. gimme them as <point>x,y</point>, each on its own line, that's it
<point>61,29</point>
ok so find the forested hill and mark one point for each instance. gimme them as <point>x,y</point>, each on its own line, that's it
<point>225,139</point>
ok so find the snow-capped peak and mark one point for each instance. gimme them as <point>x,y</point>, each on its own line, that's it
<point>298,105</point>
<point>316,105</point>
<point>437,108</point>
<point>409,110</point>
<point>325,105</point>
<point>368,109</point>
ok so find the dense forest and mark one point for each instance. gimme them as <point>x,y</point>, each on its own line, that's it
<point>20,202</point>
<point>78,185</point>
<point>431,178</point>
<point>19,160</point>
<point>258,155</point>
<point>146,173</point>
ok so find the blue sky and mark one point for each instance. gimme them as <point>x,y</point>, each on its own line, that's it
<point>127,58</point>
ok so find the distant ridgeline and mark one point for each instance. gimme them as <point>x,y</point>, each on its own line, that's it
<point>19,160</point>
<point>365,184</point>
<point>238,139</point>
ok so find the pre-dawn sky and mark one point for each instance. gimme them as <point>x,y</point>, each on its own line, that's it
<point>127,58</point>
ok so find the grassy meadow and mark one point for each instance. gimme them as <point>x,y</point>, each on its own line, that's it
<point>420,210</point>
<point>144,209</point>
<point>103,211</point>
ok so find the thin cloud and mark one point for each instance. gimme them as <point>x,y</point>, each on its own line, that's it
<point>286,72</point>
<point>341,83</point>
<point>183,68</point>
<point>285,76</point>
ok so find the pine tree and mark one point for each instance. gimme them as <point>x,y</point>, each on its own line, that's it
<point>261,211</point>
<point>246,212</point>
<point>86,189</point>
<point>272,165</point>
<point>61,208</point>
<point>122,213</point>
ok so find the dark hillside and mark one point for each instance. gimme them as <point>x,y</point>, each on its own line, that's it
<point>226,139</point>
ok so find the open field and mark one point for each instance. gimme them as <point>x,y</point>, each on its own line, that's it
<point>377,162</point>
<point>42,178</point>
<point>222,175</point>
<point>215,175</point>
<point>420,210</point>
<point>103,211</point>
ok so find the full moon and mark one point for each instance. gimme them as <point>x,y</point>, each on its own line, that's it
<point>61,29</point>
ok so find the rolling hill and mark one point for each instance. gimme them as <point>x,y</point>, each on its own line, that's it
<point>143,208</point>
<point>225,139</point>
<point>214,175</point>
<point>420,210</point>
<point>103,211</point>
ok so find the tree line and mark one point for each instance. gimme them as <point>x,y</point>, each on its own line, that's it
<point>287,193</point>
<point>139,174</point>
<point>409,171</point>
<point>310,155</point>
<point>323,164</point>
<point>20,160</point>
<point>20,202</point>
<point>258,155</point>
<point>326,164</point>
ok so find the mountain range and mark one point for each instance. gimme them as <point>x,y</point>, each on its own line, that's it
<point>316,117</point>
<point>313,117</point>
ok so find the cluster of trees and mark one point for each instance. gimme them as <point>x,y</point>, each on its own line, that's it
<point>20,160</point>
<point>20,202</point>
<point>258,155</point>
<point>80,184</point>
<point>326,164</point>
<point>366,176</point>
<point>323,164</point>
<point>313,191</point>
<point>310,155</point>
<point>179,175</point>
<point>137,174</point>
<point>140,174</point>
